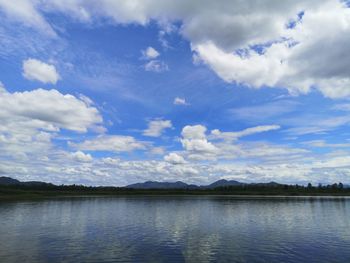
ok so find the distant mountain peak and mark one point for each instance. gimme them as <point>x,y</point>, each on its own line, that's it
<point>8,181</point>
<point>223,183</point>
<point>182,185</point>
<point>150,184</point>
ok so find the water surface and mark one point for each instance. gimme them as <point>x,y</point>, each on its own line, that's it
<point>176,229</point>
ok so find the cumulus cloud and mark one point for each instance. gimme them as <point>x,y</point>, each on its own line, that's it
<point>174,158</point>
<point>280,163</point>
<point>219,145</point>
<point>257,44</point>
<point>157,127</point>
<point>46,109</point>
<point>150,53</point>
<point>196,144</point>
<point>34,69</point>
<point>180,101</point>
<point>293,58</point>
<point>30,120</point>
<point>28,128</point>
<point>115,171</point>
<point>111,143</point>
<point>81,157</point>
<point>194,132</point>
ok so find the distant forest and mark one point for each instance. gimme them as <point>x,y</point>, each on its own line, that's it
<point>40,190</point>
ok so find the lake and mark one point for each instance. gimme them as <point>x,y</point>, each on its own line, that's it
<point>176,229</point>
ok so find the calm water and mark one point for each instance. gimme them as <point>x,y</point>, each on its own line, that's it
<point>176,229</point>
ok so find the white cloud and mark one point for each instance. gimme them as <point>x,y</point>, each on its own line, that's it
<point>46,109</point>
<point>324,144</point>
<point>250,162</point>
<point>87,100</point>
<point>266,152</point>
<point>30,120</point>
<point>157,150</point>
<point>286,113</point>
<point>194,132</point>
<point>174,158</point>
<point>258,44</point>
<point>112,143</point>
<point>153,64</point>
<point>27,13</point>
<point>34,69</point>
<point>225,145</point>
<point>115,171</point>
<point>180,101</point>
<point>150,53</point>
<point>156,66</point>
<point>81,157</point>
<point>243,42</point>
<point>264,44</point>
<point>157,127</point>
<point>198,145</point>
<point>111,161</point>
<point>195,142</point>
<point>313,124</point>
<point>216,134</point>
<point>334,162</point>
<point>293,58</point>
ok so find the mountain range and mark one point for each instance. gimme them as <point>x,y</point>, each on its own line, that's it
<point>182,185</point>
<point>146,185</point>
<point>154,184</point>
<point>10,181</point>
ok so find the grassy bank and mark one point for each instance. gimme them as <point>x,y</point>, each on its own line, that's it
<point>28,192</point>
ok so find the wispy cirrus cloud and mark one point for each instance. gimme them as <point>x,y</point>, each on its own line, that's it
<point>110,143</point>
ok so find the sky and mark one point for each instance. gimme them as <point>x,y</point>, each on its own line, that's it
<point>115,92</point>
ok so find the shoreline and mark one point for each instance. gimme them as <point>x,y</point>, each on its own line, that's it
<point>32,197</point>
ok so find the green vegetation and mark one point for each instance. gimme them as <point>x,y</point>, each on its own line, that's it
<point>49,190</point>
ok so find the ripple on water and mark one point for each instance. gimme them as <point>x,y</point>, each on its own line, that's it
<point>176,229</point>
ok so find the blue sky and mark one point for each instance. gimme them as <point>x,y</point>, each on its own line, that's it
<point>118,93</point>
